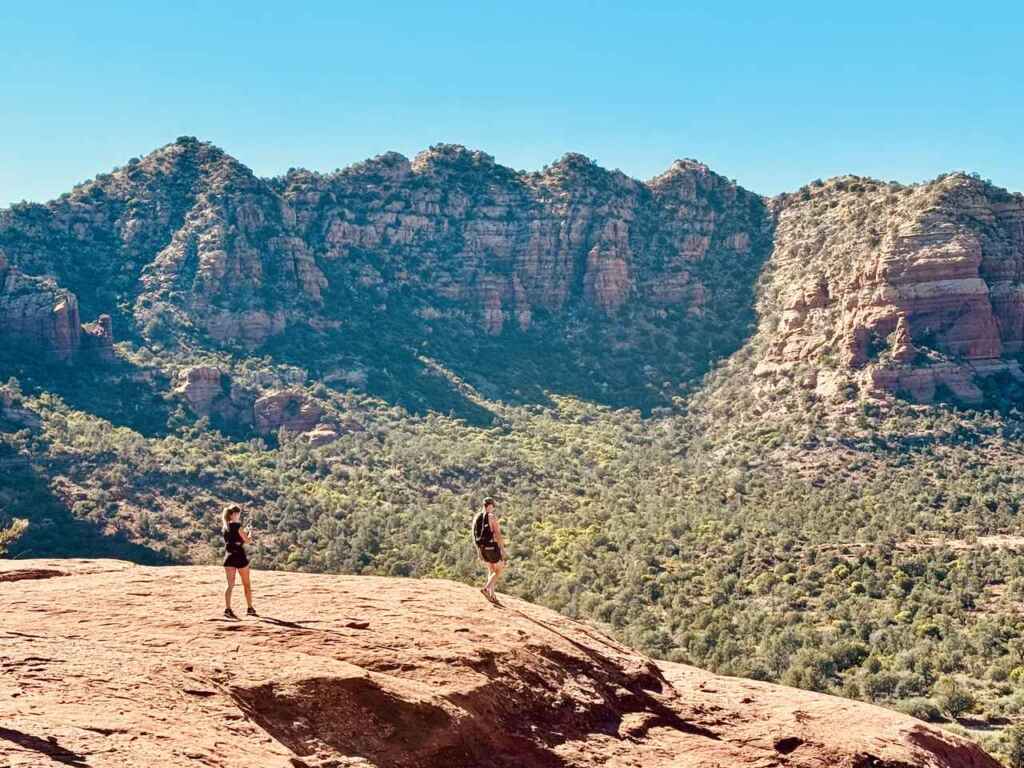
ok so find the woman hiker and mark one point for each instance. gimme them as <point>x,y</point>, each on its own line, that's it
<point>235,559</point>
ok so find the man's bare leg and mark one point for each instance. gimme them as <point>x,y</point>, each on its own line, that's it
<point>492,581</point>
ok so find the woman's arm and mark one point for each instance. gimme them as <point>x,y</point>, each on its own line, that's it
<point>246,538</point>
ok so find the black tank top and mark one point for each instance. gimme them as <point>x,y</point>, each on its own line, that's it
<point>233,539</point>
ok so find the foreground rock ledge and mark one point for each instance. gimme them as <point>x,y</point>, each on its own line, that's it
<point>110,664</point>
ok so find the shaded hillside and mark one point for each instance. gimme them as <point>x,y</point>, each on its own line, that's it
<point>574,279</point>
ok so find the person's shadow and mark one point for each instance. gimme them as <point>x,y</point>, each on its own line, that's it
<point>48,747</point>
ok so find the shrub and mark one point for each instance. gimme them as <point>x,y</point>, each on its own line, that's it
<point>911,684</point>
<point>849,654</point>
<point>1014,740</point>
<point>9,534</point>
<point>880,686</point>
<point>921,708</point>
<point>953,697</point>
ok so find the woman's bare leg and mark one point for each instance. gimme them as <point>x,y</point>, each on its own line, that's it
<point>230,573</point>
<point>244,573</point>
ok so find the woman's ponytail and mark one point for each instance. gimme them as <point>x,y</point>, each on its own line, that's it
<point>229,510</point>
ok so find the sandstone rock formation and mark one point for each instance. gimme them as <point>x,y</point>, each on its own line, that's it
<point>242,259</point>
<point>905,289</point>
<point>322,434</point>
<point>201,386</point>
<point>36,312</point>
<point>97,339</point>
<point>210,392</point>
<point>287,409</point>
<point>455,227</point>
<point>109,664</point>
<point>41,318</point>
<point>903,350</point>
<point>595,264</point>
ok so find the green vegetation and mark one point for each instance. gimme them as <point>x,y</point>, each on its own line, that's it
<point>1014,746</point>
<point>877,568</point>
<point>11,533</point>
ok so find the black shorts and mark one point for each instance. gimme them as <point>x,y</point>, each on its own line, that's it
<point>236,560</point>
<point>490,554</point>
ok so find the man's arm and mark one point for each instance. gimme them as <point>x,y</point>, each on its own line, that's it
<point>496,529</point>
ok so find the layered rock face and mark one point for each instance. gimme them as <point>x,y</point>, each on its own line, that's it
<point>196,241</point>
<point>186,234</point>
<point>640,285</point>
<point>910,290</point>
<point>41,318</point>
<point>110,664</point>
<point>464,233</point>
<point>210,392</point>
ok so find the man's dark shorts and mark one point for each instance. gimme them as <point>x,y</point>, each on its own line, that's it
<point>491,554</point>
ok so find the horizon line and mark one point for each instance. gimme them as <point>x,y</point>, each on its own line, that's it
<point>479,153</point>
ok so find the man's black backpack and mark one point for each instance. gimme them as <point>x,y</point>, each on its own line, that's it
<point>482,533</point>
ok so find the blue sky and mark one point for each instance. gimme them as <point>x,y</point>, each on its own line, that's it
<point>771,94</point>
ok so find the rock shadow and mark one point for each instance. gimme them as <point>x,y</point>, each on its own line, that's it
<point>617,693</point>
<point>48,747</point>
<point>117,391</point>
<point>359,717</point>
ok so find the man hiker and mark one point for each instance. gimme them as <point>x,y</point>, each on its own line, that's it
<point>490,545</point>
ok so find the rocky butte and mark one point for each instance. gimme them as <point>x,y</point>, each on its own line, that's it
<point>108,664</point>
<point>916,291</point>
<point>242,256</point>
<point>38,316</point>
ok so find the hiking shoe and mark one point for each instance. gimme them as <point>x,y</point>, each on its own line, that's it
<point>250,611</point>
<point>229,614</point>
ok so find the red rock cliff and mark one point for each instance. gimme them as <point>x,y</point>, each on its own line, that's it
<point>41,318</point>
<point>898,289</point>
<point>192,236</point>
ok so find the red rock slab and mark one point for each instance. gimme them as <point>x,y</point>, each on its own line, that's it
<point>121,665</point>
